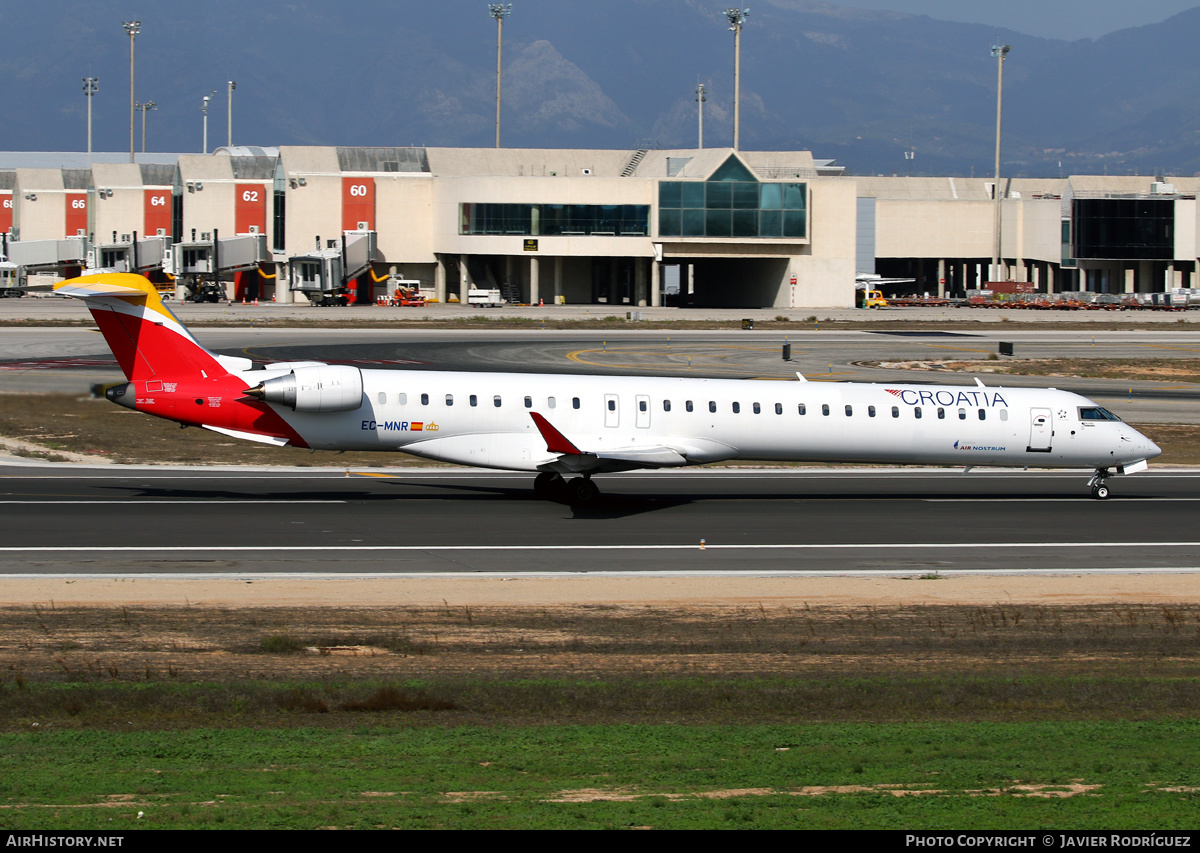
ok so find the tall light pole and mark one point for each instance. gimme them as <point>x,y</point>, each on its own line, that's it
<point>133,28</point>
<point>229,125</point>
<point>91,85</point>
<point>499,11</point>
<point>700,99</point>
<point>737,17</point>
<point>1000,51</point>
<point>142,108</point>
<point>204,109</point>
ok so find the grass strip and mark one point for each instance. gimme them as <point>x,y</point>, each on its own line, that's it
<point>1041,775</point>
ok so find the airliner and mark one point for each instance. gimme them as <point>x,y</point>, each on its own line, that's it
<point>570,426</point>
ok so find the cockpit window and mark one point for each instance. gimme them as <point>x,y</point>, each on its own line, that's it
<point>1096,413</point>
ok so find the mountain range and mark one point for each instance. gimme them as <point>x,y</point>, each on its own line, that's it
<point>860,86</point>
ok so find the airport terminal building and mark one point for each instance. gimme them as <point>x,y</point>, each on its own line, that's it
<point>708,227</point>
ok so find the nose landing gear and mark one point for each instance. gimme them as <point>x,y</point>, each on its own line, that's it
<point>1099,490</point>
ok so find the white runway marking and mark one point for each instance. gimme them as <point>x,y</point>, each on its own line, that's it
<point>509,576</point>
<point>832,546</point>
<point>162,501</point>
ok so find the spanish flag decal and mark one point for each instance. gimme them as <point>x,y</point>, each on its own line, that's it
<point>417,426</point>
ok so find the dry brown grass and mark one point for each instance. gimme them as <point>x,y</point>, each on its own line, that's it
<point>184,666</point>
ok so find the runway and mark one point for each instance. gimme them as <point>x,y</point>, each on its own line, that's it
<point>76,521</point>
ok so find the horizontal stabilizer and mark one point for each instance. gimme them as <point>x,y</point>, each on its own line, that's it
<point>81,288</point>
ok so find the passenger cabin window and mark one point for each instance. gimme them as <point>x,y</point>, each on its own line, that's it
<point>643,405</point>
<point>402,399</point>
<point>666,405</point>
<point>825,409</point>
<point>574,402</point>
<point>496,401</point>
<point>895,411</point>
<point>917,412</point>
<point>802,409</point>
<point>849,411</point>
<point>612,405</point>
<point>449,399</point>
<point>529,402</point>
<point>962,414</point>
<point>424,399</point>
<point>757,409</point>
<point>737,407</point>
<point>687,404</point>
<point>941,414</point>
<point>712,406</point>
<point>382,398</point>
<point>549,402</point>
<point>983,414</point>
<point>870,411</point>
<point>779,408</point>
<point>1004,414</point>
<point>474,400</point>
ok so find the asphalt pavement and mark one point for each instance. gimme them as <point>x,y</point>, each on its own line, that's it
<point>69,520</point>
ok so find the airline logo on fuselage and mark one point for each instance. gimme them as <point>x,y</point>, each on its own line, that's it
<point>400,426</point>
<point>944,397</point>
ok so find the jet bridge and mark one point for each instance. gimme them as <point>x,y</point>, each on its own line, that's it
<point>130,253</point>
<point>48,260</point>
<point>333,275</point>
<point>200,265</point>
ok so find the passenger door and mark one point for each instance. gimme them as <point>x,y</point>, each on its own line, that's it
<point>1041,430</point>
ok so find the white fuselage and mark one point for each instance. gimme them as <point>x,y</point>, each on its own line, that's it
<point>483,419</point>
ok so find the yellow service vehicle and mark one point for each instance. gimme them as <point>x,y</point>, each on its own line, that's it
<point>870,299</point>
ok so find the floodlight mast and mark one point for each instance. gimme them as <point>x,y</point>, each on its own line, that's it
<point>204,109</point>
<point>132,28</point>
<point>999,51</point>
<point>700,99</point>
<point>737,17</point>
<point>229,121</point>
<point>143,108</point>
<point>499,11</point>
<point>91,85</point>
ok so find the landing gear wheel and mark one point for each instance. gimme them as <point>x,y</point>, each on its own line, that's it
<point>581,490</point>
<point>546,484</point>
<point>1100,492</point>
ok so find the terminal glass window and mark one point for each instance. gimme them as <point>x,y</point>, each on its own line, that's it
<point>555,220</point>
<point>732,203</point>
<point>1124,228</point>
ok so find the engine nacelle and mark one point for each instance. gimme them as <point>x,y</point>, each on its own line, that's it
<point>314,388</point>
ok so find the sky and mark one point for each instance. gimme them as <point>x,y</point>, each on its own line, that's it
<point>1062,19</point>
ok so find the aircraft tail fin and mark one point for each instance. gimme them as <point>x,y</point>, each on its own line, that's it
<point>148,341</point>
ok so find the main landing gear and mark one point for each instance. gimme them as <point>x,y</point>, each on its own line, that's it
<point>1099,490</point>
<point>578,491</point>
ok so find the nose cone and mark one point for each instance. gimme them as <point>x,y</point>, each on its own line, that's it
<point>1145,448</point>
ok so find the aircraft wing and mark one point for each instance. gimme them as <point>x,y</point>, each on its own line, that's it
<point>574,460</point>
